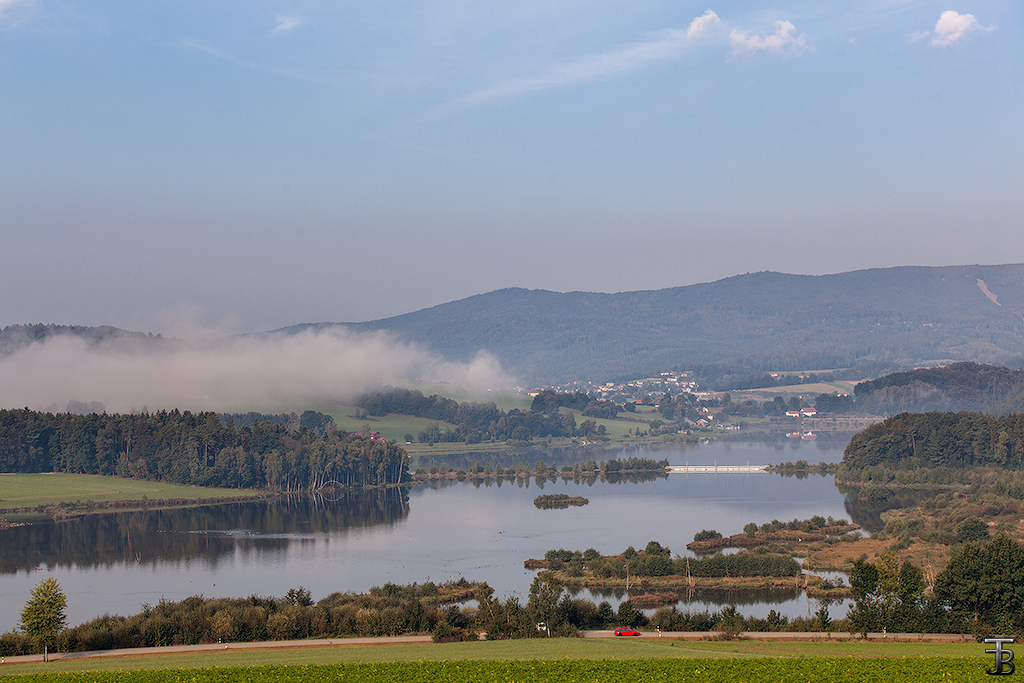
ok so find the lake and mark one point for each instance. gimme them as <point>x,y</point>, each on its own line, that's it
<point>116,562</point>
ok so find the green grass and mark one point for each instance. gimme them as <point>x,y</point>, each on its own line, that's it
<point>554,649</point>
<point>31,490</point>
<point>392,426</point>
<point>503,400</point>
<point>840,387</point>
<point>825,670</point>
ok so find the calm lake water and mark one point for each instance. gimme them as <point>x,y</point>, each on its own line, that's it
<point>116,562</point>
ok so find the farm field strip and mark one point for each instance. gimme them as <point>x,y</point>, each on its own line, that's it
<point>395,650</point>
<point>821,669</point>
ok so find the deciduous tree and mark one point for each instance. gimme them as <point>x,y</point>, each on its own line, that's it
<point>43,616</point>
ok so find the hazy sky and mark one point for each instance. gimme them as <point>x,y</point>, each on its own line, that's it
<point>249,165</point>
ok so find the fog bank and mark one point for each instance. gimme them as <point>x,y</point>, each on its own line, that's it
<point>264,373</point>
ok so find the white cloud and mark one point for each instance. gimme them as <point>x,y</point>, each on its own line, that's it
<point>952,26</point>
<point>286,23</point>
<point>700,25</point>
<point>919,35</point>
<point>783,41</point>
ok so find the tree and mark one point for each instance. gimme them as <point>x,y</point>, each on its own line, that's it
<point>972,529</point>
<point>43,616</point>
<point>545,592</point>
<point>984,585</point>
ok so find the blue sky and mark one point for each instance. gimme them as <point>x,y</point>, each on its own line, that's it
<point>249,165</point>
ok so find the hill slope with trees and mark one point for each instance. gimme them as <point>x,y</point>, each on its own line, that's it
<point>894,317</point>
<point>735,329</point>
<point>958,386</point>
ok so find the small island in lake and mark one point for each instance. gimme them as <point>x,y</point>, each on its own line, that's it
<point>559,501</point>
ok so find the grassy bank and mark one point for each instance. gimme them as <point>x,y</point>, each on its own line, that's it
<point>30,491</point>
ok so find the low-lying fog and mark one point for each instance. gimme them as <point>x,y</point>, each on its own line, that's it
<point>264,373</point>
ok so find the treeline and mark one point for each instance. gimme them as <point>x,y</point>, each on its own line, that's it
<point>912,441</point>
<point>310,419</point>
<point>978,592</point>
<point>955,387</point>
<point>685,407</point>
<point>718,377</point>
<point>197,449</point>
<point>607,470</point>
<point>657,560</point>
<point>549,402</point>
<point>475,422</point>
<point>816,528</point>
<point>388,610</point>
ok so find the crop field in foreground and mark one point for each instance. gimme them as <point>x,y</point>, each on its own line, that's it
<point>546,650</point>
<point>816,669</point>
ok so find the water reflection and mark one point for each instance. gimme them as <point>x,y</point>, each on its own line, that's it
<point>761,451</point>
<point>703,597</point>
<point>865,505</point>
<point>541,482</point>
<point>482,530</point>
<point>210,533</point>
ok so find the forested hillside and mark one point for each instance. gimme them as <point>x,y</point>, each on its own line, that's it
<point>476,422</point>
<point>895,317</point>
<point>187,448</point>
<point>959,386</point>
<point>911,441</point>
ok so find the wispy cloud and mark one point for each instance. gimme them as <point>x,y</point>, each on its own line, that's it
<point>663,46</point>
<point>666,46</point>
<point>220,54</point>
<point>701,25</point>
<point>286,23</point>
<point>951,28</point>
<point>7,5</point>
<point>784,41</point>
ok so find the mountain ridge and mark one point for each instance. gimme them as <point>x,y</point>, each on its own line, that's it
<point>764,320</point>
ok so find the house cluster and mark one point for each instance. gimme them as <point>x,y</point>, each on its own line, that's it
<point>633,391</point>
<point>803,412</point>
<point>372,436</point>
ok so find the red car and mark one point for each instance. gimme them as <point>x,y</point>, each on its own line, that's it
<point>626,632</point>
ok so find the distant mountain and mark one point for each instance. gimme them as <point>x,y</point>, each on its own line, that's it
<point>896,317</point>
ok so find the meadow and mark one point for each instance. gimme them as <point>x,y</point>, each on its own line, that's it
<point>537,660</point>
<point>45,489</point>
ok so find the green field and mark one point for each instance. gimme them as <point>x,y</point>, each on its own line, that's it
<point>32,490</point>
<point>392,427</point>
<point>840,387</point>
<point>826,670</point>
<point>604,650</point>
<point>395,427</point>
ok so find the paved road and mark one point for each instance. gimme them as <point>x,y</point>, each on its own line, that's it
<point>398,640</point>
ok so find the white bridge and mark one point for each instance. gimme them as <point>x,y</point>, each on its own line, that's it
<point>717,469</point>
